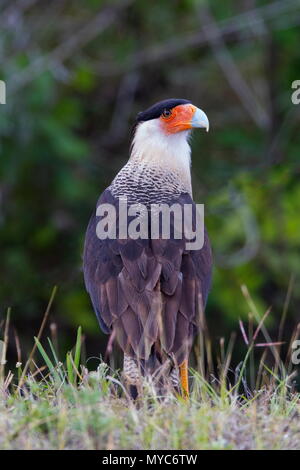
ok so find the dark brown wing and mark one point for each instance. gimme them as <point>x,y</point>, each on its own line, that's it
<point>148,291</point>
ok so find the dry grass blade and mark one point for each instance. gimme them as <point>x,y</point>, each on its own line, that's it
<point>265,345</point>
<point>4,346</point>
<point>286,306</point>
<point>45,318</point>
<point>18,346</point>
<point>243,332</point>
<point>261,324</point>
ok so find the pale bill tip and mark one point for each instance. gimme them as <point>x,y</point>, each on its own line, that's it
<point>200,120</point>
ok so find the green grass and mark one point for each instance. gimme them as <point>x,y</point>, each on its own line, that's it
<point>61,405</point>
<point>50,415</point>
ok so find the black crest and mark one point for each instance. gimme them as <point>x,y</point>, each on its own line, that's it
<point>157,109</point>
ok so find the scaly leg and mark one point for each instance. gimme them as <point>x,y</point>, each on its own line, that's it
<point>184,379</point>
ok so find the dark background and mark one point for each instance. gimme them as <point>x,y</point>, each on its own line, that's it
<point>77,73</point>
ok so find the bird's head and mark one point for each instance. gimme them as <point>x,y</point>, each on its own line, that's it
<point>162,131</point>
<point>174,115</point>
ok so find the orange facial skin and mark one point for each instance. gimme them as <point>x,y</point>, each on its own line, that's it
<point>179,119</point>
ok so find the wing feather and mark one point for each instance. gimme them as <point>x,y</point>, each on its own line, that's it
<point>147,290</point>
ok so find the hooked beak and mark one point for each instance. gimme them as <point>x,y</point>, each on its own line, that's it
<point>200,120</point>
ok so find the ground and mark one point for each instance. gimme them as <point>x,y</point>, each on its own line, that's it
<point>93,415</point>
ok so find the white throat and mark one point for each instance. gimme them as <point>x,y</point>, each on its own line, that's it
<point>166,152</point>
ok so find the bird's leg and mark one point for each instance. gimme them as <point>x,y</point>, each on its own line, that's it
<point>184,379</point>
<point>132,376</point>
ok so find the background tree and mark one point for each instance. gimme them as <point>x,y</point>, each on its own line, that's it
<point>77,73</point>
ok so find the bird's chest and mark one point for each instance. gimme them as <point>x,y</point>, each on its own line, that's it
<point>147,185</point>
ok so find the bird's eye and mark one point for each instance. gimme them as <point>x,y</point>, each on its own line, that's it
<point>167,113</point>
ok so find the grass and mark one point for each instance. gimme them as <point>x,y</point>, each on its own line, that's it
<point>62,405</point>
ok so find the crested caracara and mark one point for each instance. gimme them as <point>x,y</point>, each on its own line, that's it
<point>150,291</point>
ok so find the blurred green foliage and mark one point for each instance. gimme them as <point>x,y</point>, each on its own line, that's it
<point>65,132</point>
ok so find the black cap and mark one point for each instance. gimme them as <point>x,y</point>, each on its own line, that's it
<point>157,109</point>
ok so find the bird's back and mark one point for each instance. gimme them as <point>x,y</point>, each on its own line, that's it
<point>149,292</point>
